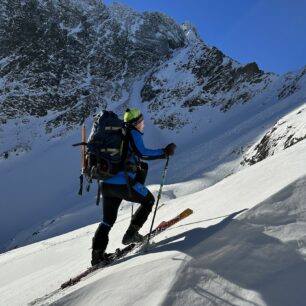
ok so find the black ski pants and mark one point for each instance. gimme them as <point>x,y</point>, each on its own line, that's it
<point>112,197</point>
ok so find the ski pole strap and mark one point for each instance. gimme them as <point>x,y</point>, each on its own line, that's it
<point>127,177</point>
<point>81,185</point>
<point>159,196</point>
<point>98,193</point>
<point>128,183</point>
<point>80,144</point>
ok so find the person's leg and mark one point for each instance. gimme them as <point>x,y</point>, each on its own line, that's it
<point>100,240</point>
<point>110,210</point>
<point>143,196</point>
<point>139,194</point>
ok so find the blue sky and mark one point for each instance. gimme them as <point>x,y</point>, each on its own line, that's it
<point>270,32</point>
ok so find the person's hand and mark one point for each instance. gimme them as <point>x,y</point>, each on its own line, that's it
<point>169,149</point>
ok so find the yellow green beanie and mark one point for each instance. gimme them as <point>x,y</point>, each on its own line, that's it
<point>132,116</point>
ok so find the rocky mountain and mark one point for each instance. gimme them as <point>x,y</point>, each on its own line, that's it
<point>62,60</point>
<point>62,57</point>
<point>288,131</point>
<point>196,76</point>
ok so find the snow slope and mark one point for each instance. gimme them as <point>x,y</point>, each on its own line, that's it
<point>220,255</point>
<point>192,94</point>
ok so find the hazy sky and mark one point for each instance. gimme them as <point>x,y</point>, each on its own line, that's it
<point>270,32</point>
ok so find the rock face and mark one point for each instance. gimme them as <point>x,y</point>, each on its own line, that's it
<point>67,58</point>
<point>199,75</point>
<point>62,60</point>
<point>288,131</point>
<point>292,84</point>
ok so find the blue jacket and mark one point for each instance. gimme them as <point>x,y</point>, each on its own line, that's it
<point>137,147</point>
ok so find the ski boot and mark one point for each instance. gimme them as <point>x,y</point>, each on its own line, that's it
<point>99,256</point>
<point>132,235</point>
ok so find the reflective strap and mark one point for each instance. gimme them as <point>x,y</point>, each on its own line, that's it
<point>113,128</point>
<point>111,151</point>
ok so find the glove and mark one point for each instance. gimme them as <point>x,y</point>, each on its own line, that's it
<point>169,149</point>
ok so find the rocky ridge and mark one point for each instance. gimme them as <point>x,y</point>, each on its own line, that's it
<point>288,131</point>
<point>197,76</point>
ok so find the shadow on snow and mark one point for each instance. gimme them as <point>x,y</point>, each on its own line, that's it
<point>243,255</point>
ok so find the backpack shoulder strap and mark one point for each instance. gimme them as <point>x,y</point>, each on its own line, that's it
<point>124,148</point>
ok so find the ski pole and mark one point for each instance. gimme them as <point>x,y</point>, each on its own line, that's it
<point>159,196</point>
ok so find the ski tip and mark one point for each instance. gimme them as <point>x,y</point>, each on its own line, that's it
<point>187,212</point>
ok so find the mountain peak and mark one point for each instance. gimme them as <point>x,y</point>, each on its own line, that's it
<point>191,32</point>
<point>121,8</point>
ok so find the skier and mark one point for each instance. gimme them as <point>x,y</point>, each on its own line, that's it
<point>128,185</point>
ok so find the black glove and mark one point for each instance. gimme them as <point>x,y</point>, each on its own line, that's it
<point>169,149</point>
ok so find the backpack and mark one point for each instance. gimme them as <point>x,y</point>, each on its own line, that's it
<point>103,157</point>
<point>106,149</point>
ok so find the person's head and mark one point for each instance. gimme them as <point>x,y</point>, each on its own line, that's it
<point>134,117</point>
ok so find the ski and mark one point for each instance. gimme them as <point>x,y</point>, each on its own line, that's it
<point>119,253</point>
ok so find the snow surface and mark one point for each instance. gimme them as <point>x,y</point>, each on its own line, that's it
<point>220,255</point>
